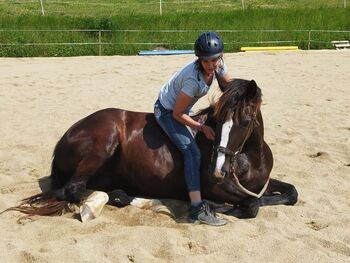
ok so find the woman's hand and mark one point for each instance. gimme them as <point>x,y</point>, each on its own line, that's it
<point>179,114</point>
<point>208,132</point>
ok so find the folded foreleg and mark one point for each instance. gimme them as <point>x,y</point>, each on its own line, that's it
<point>279,193</point>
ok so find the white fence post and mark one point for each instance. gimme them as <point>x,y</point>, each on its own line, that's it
<point>243,4</point>
<point>99,43</point>
<point>309,43</point>
<point>160,7</point>
<point>42,7</point>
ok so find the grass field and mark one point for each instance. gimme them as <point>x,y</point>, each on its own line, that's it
<point>191,16</point>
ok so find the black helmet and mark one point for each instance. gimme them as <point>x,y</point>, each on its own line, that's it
<point>208,45</point>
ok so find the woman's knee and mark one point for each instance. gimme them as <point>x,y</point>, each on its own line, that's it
<point>191,151</point>
<point>196,153</point>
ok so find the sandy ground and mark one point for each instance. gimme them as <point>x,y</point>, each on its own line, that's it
<point>307,125</point>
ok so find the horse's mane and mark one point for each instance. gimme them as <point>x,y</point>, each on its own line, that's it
<point>237,95</point>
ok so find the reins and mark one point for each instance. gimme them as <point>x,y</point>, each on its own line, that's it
<point>233,156</point>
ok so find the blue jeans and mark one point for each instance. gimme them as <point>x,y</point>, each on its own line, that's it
<point>184,141</point>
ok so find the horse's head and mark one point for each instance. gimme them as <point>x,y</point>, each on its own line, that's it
<point>236,117</point>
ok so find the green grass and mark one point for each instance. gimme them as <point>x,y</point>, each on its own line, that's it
<point>193,17</point>
<point>102,8</point>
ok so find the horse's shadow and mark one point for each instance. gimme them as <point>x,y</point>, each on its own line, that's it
<point>118,198</point>
<point>176,209</point>
<point>45,184</point>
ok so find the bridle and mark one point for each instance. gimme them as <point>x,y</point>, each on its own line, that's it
<point>233,154</point>
<point>233,158</point>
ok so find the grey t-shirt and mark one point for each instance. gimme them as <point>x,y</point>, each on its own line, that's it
<point>189,80</point>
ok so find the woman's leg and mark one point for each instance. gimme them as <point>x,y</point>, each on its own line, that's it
<point>183,140</point>
<point>195,197</point>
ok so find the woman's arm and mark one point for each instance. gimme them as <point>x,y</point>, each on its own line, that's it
<point>182,102</point>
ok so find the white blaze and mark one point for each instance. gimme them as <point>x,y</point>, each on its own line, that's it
<point>226,127</point>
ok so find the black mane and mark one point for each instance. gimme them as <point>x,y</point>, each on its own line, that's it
<point>238,94</point>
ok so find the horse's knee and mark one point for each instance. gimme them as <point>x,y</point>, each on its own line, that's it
<point>59,194</point>
<point>74,191</point>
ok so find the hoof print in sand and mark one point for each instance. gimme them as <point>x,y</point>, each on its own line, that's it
<point>316,225</point>
<point>318,154</point>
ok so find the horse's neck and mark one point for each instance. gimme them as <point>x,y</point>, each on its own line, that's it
<point>256,139</point>
<point>260,129</point>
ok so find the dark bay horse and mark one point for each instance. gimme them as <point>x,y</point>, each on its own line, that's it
<point>118,149</point>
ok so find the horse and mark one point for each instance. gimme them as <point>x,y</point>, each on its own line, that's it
<point>126,153</point>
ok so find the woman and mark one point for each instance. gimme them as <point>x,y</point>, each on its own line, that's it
<point>172,108</point>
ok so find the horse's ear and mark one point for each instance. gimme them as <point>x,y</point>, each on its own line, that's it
<point>251,89</point>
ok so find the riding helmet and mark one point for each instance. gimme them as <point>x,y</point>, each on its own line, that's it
<point>208,45</point>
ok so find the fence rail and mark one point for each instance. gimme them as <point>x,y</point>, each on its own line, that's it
<point>159,3</point>
<point>307,39</point>
<point>46,7</point>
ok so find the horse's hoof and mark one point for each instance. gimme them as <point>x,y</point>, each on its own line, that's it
<point>293,196</point>
<point>119,198</point>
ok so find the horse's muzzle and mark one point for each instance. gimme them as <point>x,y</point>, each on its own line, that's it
<point>220,173</point>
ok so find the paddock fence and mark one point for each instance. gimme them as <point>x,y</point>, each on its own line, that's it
<point>23,43</point>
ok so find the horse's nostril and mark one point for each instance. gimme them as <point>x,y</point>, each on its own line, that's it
<point>223,173</point>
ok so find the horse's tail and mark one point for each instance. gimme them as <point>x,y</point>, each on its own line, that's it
<point>48,203</point>
<point>43,204</point>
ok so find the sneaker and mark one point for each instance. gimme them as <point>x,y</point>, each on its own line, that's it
<point>202,214</point>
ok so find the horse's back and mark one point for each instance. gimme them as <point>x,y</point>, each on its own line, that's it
<point>95,129</point>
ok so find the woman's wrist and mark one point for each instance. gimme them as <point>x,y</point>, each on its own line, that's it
<point>200,127</point>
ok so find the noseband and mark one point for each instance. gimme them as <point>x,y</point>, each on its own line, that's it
<point>233,157</point>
